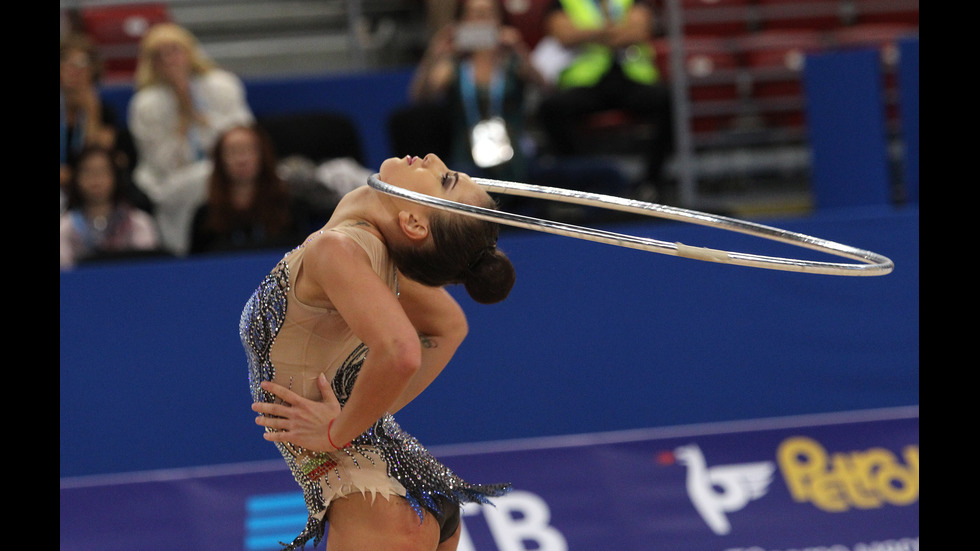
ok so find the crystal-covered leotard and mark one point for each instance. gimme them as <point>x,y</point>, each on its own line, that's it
<point>291,343</point>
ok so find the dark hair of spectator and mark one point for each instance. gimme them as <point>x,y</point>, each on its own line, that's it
<point>75,197</point>
<point>81,42</point>
<point>271,203</point>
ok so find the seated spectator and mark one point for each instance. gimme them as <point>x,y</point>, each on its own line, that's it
<point>249,206</point>
<point>610,66</point>
<point>183,101</point>
<point>479,68</point>
<point>99,222</point>
<point>85,119</point>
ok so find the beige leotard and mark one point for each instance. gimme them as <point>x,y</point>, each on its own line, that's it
<point>291,343</point>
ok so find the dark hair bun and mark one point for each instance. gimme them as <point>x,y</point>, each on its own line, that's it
<point>491,279</point>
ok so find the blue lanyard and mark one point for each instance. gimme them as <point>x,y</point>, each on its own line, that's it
<point>468,88</point>
<point>193,134</point>
<point>611,7</point>
<point>83,229</point>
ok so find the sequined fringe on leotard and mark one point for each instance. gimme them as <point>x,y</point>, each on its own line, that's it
<point>422,475</point>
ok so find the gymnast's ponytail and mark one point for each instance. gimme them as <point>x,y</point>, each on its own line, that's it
<point>463,251</point>
<point>490,278</point>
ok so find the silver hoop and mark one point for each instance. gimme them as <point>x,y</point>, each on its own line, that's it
<point>871,264</point>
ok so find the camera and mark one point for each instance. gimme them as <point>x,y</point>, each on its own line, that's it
<point>475,36</point>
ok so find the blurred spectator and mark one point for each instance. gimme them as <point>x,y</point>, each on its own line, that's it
<point>85,119</point>
<point>69,20</point>
<point>480,70</point>
<point>249,205</point>
<point>610,67</point>
<point>439,13</point>
<point>99,222</point>
<point>183,101</point>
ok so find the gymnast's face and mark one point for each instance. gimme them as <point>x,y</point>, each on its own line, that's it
<point>431,176</point>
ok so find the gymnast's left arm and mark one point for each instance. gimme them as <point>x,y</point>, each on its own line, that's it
<point>441,325</point>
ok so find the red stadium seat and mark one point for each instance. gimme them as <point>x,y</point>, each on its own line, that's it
<point>903,12</point>
<point>716,17</point>
<point>709,63</point>
<point>774,60</point>
<point>712,69</point>
<point>117,30</point>
<point>527,16</point>
<point>817,15</point>
<point>882,36</point>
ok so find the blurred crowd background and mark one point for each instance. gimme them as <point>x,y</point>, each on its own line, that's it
<point>704,107</point>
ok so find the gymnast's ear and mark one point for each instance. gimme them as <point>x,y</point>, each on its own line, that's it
<point>414,225</point>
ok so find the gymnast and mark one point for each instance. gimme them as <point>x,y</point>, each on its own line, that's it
<point>351,326</point>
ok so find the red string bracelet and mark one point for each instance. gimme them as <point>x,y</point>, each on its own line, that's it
<point>330,426</point>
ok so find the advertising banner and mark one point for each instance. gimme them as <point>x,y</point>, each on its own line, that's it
<point>834,482</point>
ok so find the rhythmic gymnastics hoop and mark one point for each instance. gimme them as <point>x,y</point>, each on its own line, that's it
<point>871,264</point>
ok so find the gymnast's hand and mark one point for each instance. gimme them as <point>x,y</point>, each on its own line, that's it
<point>299,421</point>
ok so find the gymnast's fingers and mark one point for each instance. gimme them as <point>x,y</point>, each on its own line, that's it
<point>271,422</point>
<point>280,391</point>
<point>268,408</point>
<point>274,436</point>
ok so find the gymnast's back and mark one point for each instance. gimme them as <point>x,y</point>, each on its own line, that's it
<point>291,342</point>
<point>314,339</point>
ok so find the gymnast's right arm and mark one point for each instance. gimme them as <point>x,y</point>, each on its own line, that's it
<point>442,327</point>
<point>342,271</point>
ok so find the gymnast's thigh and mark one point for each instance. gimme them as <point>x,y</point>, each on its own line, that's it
<point>384,525</point>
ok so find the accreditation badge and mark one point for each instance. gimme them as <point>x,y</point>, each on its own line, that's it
<point>490,143</point>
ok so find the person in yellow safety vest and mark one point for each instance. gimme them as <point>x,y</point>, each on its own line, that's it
<point>612,68</point>
<point>606,35</point>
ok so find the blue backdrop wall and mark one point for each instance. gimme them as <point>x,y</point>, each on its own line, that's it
<point>593,338</point>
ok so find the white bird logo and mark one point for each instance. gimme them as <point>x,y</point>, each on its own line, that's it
<point>724,488</point>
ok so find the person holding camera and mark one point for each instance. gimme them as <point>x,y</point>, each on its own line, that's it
<point>479,70</point>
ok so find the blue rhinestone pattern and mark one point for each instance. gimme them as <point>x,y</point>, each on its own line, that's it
<point>422,475</point>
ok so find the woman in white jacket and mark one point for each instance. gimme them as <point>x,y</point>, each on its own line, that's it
<point>183,101</point>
